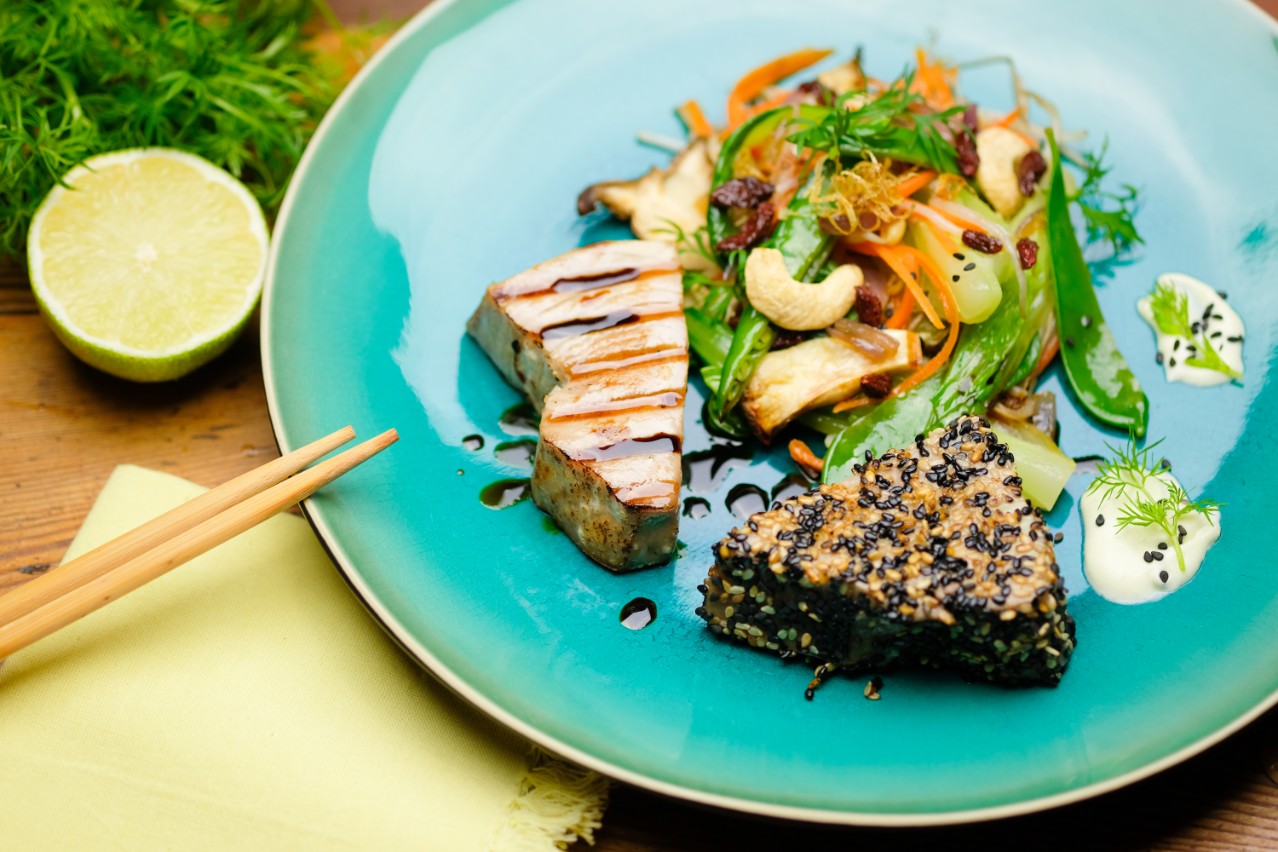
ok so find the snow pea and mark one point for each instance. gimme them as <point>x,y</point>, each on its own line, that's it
<point>1098,374</point>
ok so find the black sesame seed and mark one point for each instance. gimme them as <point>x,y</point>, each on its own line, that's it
<point>969,267</point>
<point>1157,555</point>
<point>1176,344</point>
<point>1149,557</point>
<point>1163,575</point>
<point>955,278</point>
<point>1100,520</point>
<point>1158,359</point>
<point>1172,362</point>
<point>1222,294</point>
<point>959,256</point>
<point>1069,341</point>
<point>1162,545</point>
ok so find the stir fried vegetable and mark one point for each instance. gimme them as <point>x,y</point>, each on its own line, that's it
<point>952,223</point>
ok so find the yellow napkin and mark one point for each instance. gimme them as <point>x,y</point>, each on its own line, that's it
<point>247,701</point>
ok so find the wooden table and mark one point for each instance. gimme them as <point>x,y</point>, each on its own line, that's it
<point>64,426</point>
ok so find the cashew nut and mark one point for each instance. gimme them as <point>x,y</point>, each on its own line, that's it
<point>1000,150</point>
<point>793,304</point>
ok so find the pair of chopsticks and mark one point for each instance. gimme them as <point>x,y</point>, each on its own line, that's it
<point>112,570</point>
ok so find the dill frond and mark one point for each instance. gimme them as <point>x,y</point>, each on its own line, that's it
<point>229,80</point>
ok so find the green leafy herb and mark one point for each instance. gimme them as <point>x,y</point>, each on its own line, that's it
<point>1127,477</point>
<point>696,243</point>
<point>229,80</point>
<point>889,125</point>
<point>1109,216</point>
<point>1170,308</point>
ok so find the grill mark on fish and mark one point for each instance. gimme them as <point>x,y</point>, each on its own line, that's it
<point>612,319</point>
<point>627,447</point>
<point>668,399</point>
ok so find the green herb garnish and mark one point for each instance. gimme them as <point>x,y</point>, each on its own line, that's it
<point>1127,476</point>
<point>1109,216</point>
<point>886,126</point>
<point>228,80</point>
<point>1170,309</point>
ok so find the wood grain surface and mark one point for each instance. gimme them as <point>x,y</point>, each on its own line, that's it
<point>64,426</point>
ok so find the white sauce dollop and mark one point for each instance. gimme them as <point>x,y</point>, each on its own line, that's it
<point>1114,560</point>
<point>1221,325</point>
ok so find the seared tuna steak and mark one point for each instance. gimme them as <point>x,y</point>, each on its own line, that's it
<point>929,556</point>
<point>596,340</point>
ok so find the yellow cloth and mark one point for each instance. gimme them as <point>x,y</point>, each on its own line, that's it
<point>247,701</point>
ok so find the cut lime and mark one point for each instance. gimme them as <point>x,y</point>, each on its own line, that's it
<point>148,262</point>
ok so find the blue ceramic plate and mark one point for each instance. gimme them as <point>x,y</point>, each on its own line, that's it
<point>454,161</point>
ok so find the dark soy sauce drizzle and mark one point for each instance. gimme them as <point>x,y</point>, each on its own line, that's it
<point>594,282</point>
<point>473,442</point>
<point>520,419</point>
<point>516,453</point>
<point>585,326</point>
<point>629,447</point>
<point>504,493</point>
<point>745,500</point>
<point>792,485</point>
<point>704,470</point>
<point>638,614</point>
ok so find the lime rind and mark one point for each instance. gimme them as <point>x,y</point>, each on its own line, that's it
<point>116,357</point>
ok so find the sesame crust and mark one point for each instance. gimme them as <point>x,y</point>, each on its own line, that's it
<point>930,556</point>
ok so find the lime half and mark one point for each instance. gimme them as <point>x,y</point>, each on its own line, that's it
<point>147,262</point>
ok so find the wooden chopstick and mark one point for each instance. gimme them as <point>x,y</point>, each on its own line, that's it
<point>184,543</point>
<point>107,557</point>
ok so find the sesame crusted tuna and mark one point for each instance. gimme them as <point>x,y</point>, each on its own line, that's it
<point>929,556</point>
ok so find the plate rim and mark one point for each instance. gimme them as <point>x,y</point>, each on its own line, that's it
<point>459,686</point>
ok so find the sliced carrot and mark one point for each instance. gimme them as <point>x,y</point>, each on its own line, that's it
<point>914,183</point>
<point>851,403</point>
<point>1048,354</point>
<point>1006,121</point>
<point>901,313</point>
<point>755,82</point>
<point>695,119</point>
<point>805,458</point>
<point>932,80</point>
<point>951,316</point>
<point>905,268</point>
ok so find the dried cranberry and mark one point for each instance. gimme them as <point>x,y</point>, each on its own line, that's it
<point>1027,251</point>
<point>970,120</point>
<point>755,230</point>
<point>982,242</point>
<point>742,192</point>
<point>965,148</point>
<point>784,338</point>
<point>876,385</point>
<point>1031,167</point>
<point>814,88</point>
<point>868,307</point>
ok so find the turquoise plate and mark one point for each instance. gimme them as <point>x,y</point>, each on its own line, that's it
<point>454,160</point>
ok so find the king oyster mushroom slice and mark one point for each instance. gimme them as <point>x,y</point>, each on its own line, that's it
<point>817,372</point>
<point>660,203</point>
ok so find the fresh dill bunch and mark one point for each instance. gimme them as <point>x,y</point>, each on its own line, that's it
<point>1170,309</point>
<point>887,126</point>
<point>1108,215</point>
<point>229,80</point>
<point>1127,476</point>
